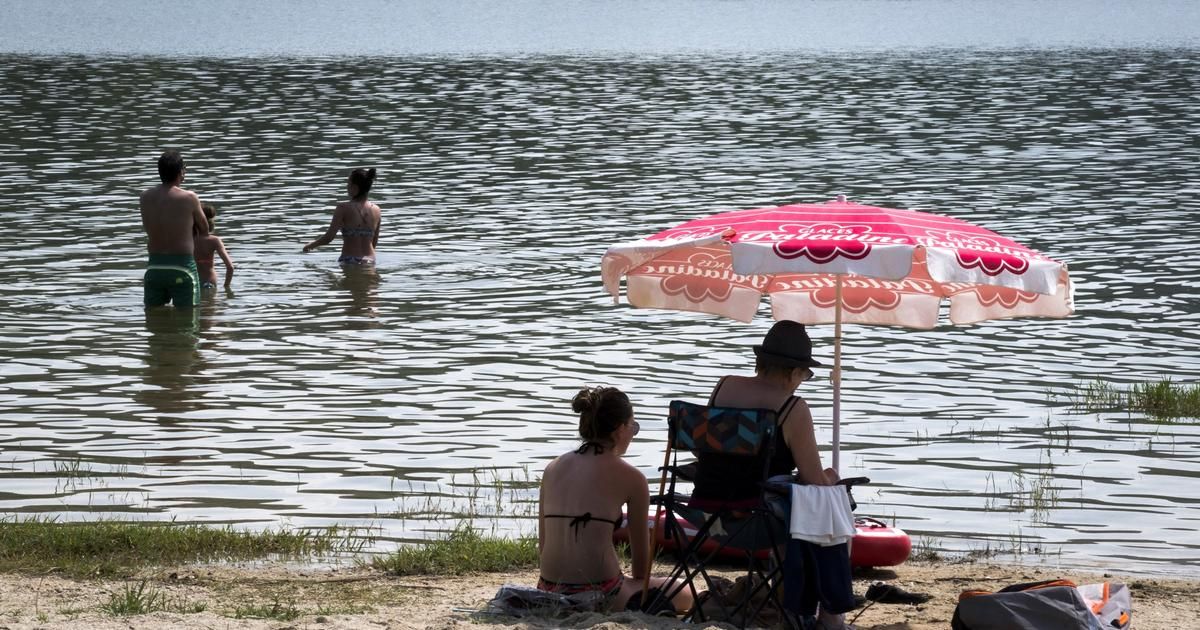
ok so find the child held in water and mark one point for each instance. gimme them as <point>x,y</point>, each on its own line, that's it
<point>205,247</point>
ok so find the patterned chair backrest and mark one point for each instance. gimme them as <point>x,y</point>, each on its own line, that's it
<point>724,430</point>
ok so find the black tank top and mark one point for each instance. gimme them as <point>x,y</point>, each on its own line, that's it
<point>728,477</point>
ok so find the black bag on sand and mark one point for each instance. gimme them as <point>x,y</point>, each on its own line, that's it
<point>1050,605</point>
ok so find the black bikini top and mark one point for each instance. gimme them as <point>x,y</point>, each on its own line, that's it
<point>595,447</point>
<point>584,519</point>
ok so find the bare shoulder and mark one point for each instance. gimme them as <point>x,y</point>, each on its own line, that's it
<point>800,412</point>
<point>736,380</point>
<point>553,466</point>
<point>630,474</point>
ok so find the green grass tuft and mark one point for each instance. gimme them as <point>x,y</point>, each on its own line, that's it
<point>464,550</point>
<point>277,610</point>
<point>142,600</point>
<point>115,547</point>
<point>925,550</point>
<point>134,600</point>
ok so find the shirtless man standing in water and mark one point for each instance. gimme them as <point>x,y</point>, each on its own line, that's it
<point>169,214</point>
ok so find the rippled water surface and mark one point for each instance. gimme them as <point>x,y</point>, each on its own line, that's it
<point>441,383</point>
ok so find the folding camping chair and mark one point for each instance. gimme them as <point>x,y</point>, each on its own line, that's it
<point>727,514</point>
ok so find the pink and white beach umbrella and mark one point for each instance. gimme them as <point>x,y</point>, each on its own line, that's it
<point>838,262</point>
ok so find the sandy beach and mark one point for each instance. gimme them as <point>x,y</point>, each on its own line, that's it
<point>277,597</point>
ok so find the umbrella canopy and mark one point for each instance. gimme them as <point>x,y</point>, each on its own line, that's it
<point>839,262</point>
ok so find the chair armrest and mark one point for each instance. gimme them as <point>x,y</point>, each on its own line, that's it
<point>850,482</point>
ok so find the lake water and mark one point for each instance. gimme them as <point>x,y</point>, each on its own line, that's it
<point>440,384</point>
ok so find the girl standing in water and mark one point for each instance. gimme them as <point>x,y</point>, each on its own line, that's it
<point>358,220</point>
<point>205,247</point>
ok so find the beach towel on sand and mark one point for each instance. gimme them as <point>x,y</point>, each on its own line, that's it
<point>520,601</point>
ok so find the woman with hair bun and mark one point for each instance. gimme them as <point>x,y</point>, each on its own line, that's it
<point>358,220</point>
<point>580,503</point>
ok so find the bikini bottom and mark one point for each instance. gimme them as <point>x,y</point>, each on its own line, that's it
<point>609,587</point>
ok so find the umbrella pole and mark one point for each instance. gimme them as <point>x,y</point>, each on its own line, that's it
<point>662,482</point>
<point>837,375</point>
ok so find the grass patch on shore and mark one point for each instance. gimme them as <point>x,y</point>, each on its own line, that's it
<point>1163,400</point>
<point>463,550</point>
<point>277,610</point>
<point>114,547</point>
<point>141,599</point>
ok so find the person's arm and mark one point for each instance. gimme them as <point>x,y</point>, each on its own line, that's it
<point>225,259</point>
<point>335,224</point>
<point>802,440</point>
<point>198,218</point>
<point>375,241</point>
<point>639,531</point>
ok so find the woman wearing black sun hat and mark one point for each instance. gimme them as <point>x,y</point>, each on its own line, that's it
<point>783,361</point>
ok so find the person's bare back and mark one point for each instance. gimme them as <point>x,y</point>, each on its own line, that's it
<point>169,214</point>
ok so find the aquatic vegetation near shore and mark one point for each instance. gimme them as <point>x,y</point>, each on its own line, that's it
<point>463,550</point>
<point>925,549</point>
<point>1163,400</point>
<point>478,494</point>
<point>114,547</point>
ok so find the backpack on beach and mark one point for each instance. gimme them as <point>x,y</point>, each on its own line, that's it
<point>1047,605</point>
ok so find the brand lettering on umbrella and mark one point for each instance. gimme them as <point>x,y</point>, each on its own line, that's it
<point>690,234</point>
<point>820,243</point>
<point>972,250</point>
<point>857,301</point>
<point>703,277</point>
<point>955,238</point>
<point>819,232</point>
<point>907,285</point>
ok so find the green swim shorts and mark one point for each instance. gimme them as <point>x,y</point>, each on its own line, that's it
<point>171,278</point>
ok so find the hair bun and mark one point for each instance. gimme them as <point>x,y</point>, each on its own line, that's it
<point>371,174</point>
<point>584,401</point>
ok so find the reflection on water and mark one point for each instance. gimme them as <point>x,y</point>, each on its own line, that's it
<point>361,282</point>
<point>173,360</point>
<point>315,394</point>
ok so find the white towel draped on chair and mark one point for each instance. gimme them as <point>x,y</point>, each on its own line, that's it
<point>821,515</point>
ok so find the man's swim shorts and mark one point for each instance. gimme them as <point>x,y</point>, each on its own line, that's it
<point>171,278</point>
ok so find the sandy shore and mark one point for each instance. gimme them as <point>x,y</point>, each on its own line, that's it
<point>362,598</point>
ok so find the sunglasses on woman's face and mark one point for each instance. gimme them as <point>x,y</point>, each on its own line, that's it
<point>807,376</point>
<point>636,427</point>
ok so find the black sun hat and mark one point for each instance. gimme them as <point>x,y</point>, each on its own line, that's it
<point>787,344</point>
